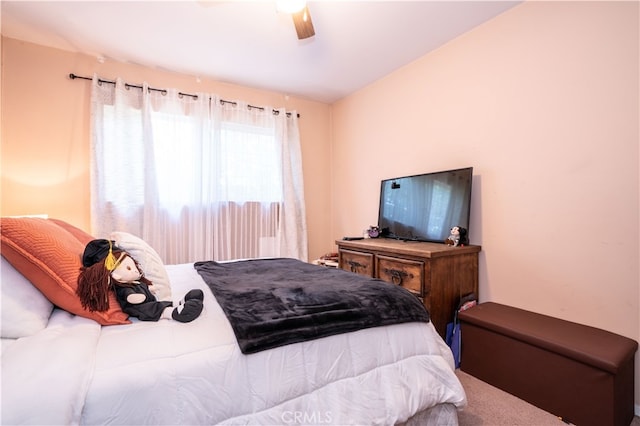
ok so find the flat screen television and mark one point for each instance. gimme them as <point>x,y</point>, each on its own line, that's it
<point>425,207</point>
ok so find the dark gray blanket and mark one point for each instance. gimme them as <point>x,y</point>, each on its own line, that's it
<point>275,302</point>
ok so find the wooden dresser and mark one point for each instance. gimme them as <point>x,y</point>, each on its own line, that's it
<point>436,273</point>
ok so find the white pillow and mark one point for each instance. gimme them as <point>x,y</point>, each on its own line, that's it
<point>25,310</point>
<point>149,261</point>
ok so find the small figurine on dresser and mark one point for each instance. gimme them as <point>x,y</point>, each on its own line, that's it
<point>373,232</point>
<point>457,237</point>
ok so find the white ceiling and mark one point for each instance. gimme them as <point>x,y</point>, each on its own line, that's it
<point>251,43</point>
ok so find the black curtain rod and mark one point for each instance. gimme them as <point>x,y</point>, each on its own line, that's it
<point>72,76</point>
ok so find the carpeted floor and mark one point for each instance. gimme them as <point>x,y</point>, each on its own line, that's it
<point>491,406</point>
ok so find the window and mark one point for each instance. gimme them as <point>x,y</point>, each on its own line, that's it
<point>195,178</point>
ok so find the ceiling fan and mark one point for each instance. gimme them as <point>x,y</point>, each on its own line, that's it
<point>296,8</point>
<point>301,18</point>
<point>303,24</point>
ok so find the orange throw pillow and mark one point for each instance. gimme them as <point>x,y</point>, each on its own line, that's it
<point>80,235</point>
<point>50,256</point>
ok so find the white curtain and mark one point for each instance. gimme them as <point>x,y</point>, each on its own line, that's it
<point>196,177</point>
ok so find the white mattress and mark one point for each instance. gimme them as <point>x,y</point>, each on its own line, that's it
<point>168,372</point>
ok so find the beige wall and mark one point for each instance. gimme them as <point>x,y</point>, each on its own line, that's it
<point>543,102</point>
<point>45,132</point>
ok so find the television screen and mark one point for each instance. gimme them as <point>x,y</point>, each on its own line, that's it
<point>425,207</point>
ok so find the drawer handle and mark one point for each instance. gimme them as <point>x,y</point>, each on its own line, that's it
<point>396,275</point>
<point>354,265</point>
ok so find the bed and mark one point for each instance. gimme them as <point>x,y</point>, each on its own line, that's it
<point>61,365</point>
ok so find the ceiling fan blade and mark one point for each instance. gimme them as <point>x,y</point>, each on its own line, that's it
<point>304,26</point>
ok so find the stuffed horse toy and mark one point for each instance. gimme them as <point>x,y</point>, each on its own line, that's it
<point>106,268</point>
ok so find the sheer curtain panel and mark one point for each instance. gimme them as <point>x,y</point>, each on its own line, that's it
<point>196,177</point>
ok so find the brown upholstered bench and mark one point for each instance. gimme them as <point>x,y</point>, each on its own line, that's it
<point>582,374</point>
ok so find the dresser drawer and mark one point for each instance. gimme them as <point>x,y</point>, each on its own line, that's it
<point>438,274</point>
<point>403,272</point>
<point>356,261</point>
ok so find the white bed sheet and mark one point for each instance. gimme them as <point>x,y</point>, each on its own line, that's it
<point>45,377</point>
<point>171,373</point>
